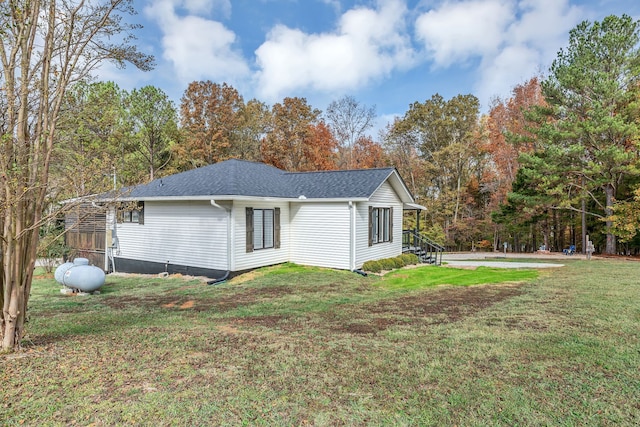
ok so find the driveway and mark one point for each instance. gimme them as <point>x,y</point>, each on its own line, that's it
<point>499,260</point>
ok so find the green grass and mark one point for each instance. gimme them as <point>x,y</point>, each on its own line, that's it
<point>431,276</point>
<point>291,345</point>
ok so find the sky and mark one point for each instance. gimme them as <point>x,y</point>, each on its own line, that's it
<point>384,53</point>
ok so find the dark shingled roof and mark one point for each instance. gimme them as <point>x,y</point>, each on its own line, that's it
<point>244,178</point>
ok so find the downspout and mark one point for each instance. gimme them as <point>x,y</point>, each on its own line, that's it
<point>352,237</point>
<point>229,246</point>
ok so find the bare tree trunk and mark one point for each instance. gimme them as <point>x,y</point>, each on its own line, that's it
<point>455,214</point>
<point>545,233</point>
<point>45,46</point>
<point>610,247</point>
<point>583,216</point>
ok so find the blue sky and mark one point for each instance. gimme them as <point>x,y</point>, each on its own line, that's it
<point>387,53</point>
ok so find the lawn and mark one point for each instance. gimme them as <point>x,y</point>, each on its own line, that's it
<point>305,346</point>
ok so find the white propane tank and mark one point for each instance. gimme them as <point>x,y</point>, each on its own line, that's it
<point>59,273</point>
<point>81,276</point>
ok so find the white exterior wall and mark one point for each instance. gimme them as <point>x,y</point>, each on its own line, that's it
<point>384,197</point>
<point>241,260</point>
<point>191,233</point>
<point>194,233</point>
<point>320,234</point>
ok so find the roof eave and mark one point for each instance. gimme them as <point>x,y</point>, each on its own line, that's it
<point>232,198</point>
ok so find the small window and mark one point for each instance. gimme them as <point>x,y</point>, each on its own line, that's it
<point>380,225</point>
<point>132,212</point>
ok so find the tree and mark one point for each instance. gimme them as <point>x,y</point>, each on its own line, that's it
<point>154,125</point>
<point>320,148</point>
<point>443,133</point>
<point>45,47</point>
<point>210,118</point>
<point>626,217</point>
<point>254,121</point>
<point>508,134</point>
<point>349,121</point>
<point>284,145</point>
<point>93,135</point>
<point>592,92</point>
<point>401,146</point>
<point>366,154</point>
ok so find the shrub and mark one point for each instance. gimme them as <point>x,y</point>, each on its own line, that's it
<point>398,261</point>
<point>387,264</point>
<point>372,266</point>
<point>390,263</point>
<point>410,259</point>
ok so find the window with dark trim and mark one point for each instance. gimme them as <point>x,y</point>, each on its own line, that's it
<point>380,225</point>
<point>132,212</point>
<point>263,229</point>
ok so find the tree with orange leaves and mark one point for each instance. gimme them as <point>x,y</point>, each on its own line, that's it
<point>319,148</point>
<point>507,135</point>
<point>367,154</point>
<point>210,117</point>
<point>292,127</point>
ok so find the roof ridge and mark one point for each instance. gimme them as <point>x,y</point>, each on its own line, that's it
<point>339,170</point>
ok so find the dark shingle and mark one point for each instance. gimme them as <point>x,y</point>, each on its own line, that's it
<point>244,178</point>
<point>338,184</point>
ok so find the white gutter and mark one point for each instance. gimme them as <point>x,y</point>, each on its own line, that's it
<point>230,198</point>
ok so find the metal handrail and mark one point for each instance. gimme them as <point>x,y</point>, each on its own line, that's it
<point>413,239</point>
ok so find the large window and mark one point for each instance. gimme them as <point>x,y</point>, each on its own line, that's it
<point>380,225</point>
<point>263,229</point>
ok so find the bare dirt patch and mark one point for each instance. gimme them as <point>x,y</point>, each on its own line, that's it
<point>447,305</point>
<point>426,308</point>
<point>227,329</point>
<point>224,302</point>
<point>436,306</point>
<point>272,321</point>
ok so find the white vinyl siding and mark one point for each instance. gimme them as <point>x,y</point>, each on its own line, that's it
<point>384,197</point>
<point>243,259</point>
<point>320,234</point>
<point>191,233</point>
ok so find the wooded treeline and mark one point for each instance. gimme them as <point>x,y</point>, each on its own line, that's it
<point>554,162</point>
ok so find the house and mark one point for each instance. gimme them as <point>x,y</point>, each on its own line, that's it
<point>238,215</point>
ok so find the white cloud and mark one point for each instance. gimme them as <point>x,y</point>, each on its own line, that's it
<point>456,32</point>
<point>367,44</point>
<point>544,24</point>
<point>197,48</point>
<point>512,66</point>
<point>530,45</point>
<point>220,8</point>
<point>513,39</point>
